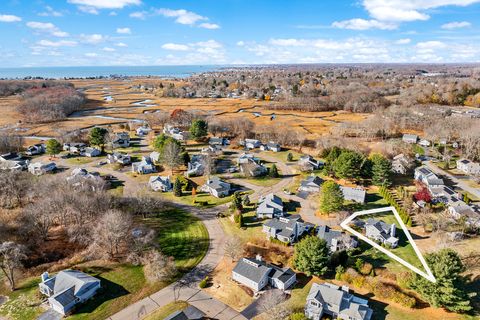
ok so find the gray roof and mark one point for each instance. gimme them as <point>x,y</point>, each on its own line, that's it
<point>71,283</point>
<point>252,269</point>
<point>356,194</point>
<point>217,184</point>
<point>311,181</point>
<point>189,313</point>
<point>325,233</point>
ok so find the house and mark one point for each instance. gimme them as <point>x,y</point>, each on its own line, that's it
<point>189,313</point>
<point>336,240</point>
<point>79,174</point>
<point>356,194</point>
<point>142,131</point>
<point>212,150</point>
<point>160,183</point>
<point>401,164</point>
<point>308,163</point>
<point>253,169</point>
<point>175,132</point>
<point>39,168</point>
<point>35,149</point>
<point>311,184</point>
<point>271,146</point>
<point>121,140</point>
<point>68,289</point>
<point>196,166</point>
<point>247,157</point>
<point>269,206</point>
<point>427,177</point>
<point>91,152</point>
<point>119,157</point>
<point>75,147</point>
<point>145,166</point>
<point>286,229</point>
<point>469,167</point>
<point>216,187</point>
<point>257,274</point>
<point>12,161</point>
<point>410,138</point>
<point>424,143</point>
<point>382,232</point>
<point>461,210</point>
<point>218,141</point>
<point>327,299</point>
<point>251,143</point>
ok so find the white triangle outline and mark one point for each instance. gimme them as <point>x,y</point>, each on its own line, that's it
<point>345,225</point>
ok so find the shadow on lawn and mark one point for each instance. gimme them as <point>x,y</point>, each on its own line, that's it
<point>109,291</point>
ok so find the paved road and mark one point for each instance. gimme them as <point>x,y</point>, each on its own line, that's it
<point>459,182</point>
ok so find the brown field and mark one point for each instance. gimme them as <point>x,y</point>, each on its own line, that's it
<point>122,107</point>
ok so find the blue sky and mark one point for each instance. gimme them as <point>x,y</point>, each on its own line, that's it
<point>200,32</point>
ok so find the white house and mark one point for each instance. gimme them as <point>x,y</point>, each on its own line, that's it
<point>410,138</point>
<point>196,166</point>
<point>39,168</point>
<point>271,146</point>
<point>308,163</point>
<point>143,131</point>
<point>469,167</point>
<point>252,143</point>
<point>257,274</point>
<point>381,232</point>
<point>35,149</point>
<point>91,152</point>
<point>68,289</point>
<point>269,206</point>
<point>121,140</point>
<point>175,132</point>
<point>424,143</point>
<point>216,187</point>
<point>145,166</point>
<point>119,157</point>
<point>160,183</point>
<point>12,161</point>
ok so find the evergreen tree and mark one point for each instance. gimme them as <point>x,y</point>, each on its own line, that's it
<point>349,165</point>
<point>331,197</point>
<point>273,172</point>
<point>311,256</point>
<point>246,201</point>
<point>198,129</point>
<point>236,204</point>
<point>98,137</point>
<point>449,289</point>
<point>289,157</point>
<point>381,170</point>
<point>53,147</point>
<point>177,187</point>
<point>159,142</point>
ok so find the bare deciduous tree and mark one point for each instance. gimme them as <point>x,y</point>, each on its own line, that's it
<point>158,267</point>
<point>234,248</point>
<point>11,256</point>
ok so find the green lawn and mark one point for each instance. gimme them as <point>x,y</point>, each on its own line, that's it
<point>282,155</point>
<point>167,310</point>
<point>83,160</point>
<point>187,198</point>
<point>265,181</point>
<point>252,229</point>
<point>179,234</point>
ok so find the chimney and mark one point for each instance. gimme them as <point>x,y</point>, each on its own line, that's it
<point>392,230</point>
<point>258,257</point>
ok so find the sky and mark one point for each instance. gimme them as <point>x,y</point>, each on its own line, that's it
<point>39,33</point>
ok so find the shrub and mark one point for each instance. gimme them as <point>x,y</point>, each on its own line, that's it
<point>204,283</point>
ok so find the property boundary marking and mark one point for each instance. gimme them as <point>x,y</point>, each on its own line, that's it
<point>428,275</point>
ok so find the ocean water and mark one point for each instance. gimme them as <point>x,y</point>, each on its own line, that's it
<point>85,72</point>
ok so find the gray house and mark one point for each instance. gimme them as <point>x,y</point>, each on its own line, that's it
<point>39,168</point>
<point>356,194</point>
<point>12,161</point>
<point>91,152</point>
<point>119,157</point>
<point>145,166</point>
<point>253,169</point>
<point>286,229</point>
<point>35,149</point>
<point>160,183</point>
<point>196,166</point>
<point>308,163</point>
<point>189,313</point>
<point>336,240</point>
<point>410,138</point>
<point>311,184</point>
<point>327,299</point>
<point>216,187</point>
<point>68,289</point>
<point>271,146</point>
<point>381,232</point>
<point>257,274</point>
<point>121,140</point>
<point>269,206</point>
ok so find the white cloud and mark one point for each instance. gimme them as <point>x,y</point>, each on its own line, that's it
<point>175,47</point>
<point>50,12</point>
<point>431,45</point>
<point>139,15</point>
<point>124,31</point>
<point>9,18</point>
<point>61,43</point>
<point>47,27</point>
<point>456,25</point>
<point>91,54</point>
<point>106,4</point>
<point>121,44</point>
<point>408,10</point>
<point>403,41</point>
<point>240,43</point>
<point>182,16</point>
<point>92,38</point>
<point>108,49</point>
<point>89,10</point>
<point>362,24</point>
<point>211,26</point>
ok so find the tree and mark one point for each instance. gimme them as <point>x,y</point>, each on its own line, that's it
<point>198,129</point>
<point>157,267</point>
<point>289,157</point>
<point>423,195</point>
<point>171,154</point>
<point>331,197</point>
<point>112,232</point>
<point>298,316</point>
<point>159,142</point>
<point>311,256</point>
<point>98,137</point>
<point>348,165</point>
<point>177,187</point>
<point>449,289</point>
<point>236,204</point>
<point>53,147</point>
<point>381,170</point>
<point>234,248</point>
<point>273,172</point>
<point>11,256</point>
<point>246,201</point>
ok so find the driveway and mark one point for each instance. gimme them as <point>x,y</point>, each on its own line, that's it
<point>50,314</point>
<point>266,301</point>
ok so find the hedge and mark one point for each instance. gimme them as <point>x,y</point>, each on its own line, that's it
<point>385,193</point>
